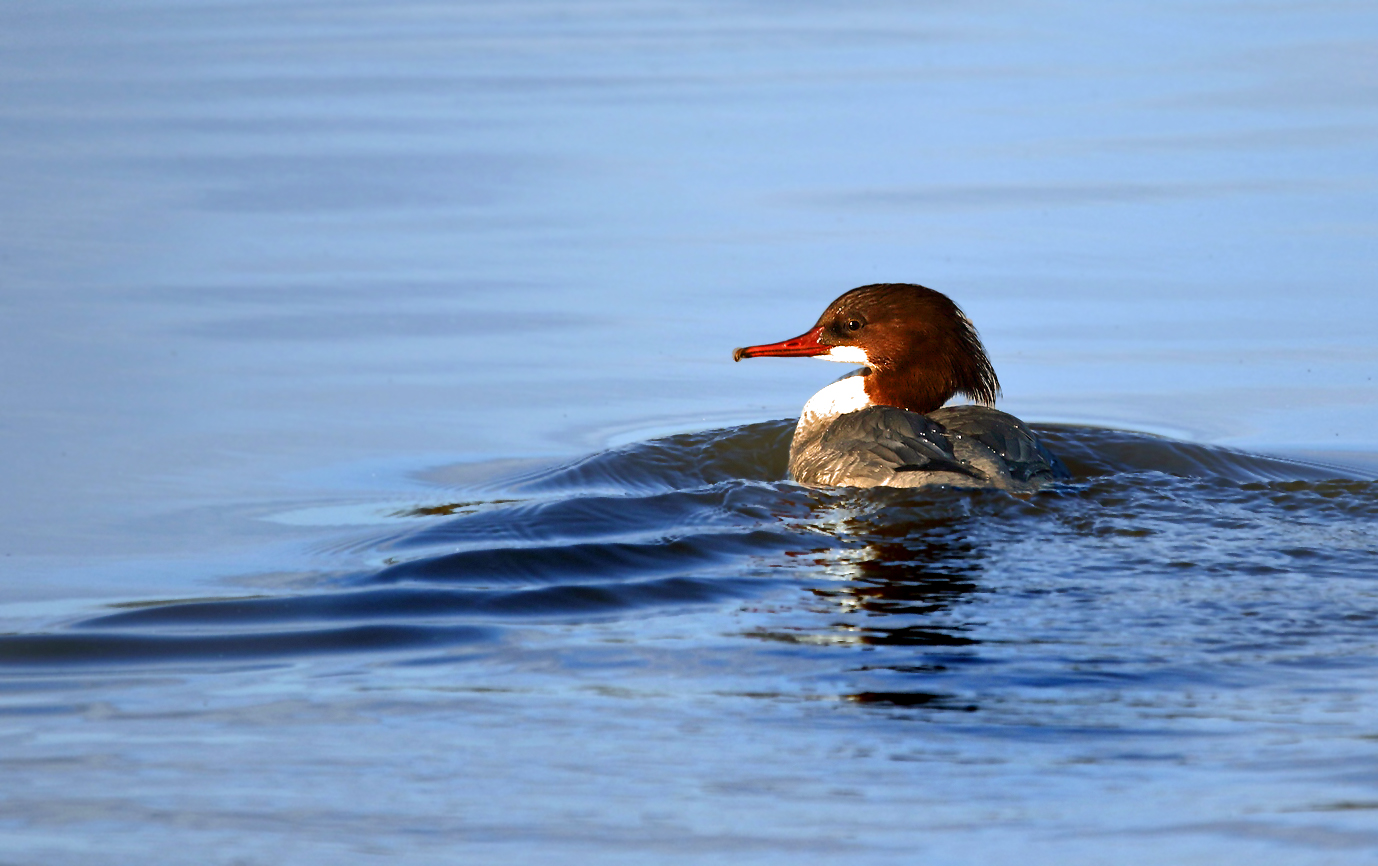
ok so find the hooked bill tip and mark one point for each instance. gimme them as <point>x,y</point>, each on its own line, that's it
<point>738,354</point>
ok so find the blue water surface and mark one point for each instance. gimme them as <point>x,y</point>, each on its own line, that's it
<point>380,487</point>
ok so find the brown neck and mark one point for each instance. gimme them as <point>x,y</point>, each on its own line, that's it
<point>931,371</point>
<point>919,391</point>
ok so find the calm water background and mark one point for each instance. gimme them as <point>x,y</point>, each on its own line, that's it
<point>311,312</point>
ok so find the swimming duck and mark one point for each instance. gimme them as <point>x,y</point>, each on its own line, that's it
<point>886,424</point>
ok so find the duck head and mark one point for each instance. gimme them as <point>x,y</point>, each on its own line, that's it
<point>919,348</point>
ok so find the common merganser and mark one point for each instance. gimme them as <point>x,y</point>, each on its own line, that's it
<point>885,424</point>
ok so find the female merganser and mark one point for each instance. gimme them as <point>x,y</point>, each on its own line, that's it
<point>885,424</point>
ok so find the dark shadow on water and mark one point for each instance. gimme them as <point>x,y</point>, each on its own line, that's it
<point>1091,452</point>
<point>925,700</point>
<point>76,649</point>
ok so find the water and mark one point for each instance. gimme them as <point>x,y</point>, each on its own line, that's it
<point>380,488</point>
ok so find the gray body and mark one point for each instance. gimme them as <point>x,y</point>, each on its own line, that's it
<point>960,446</point>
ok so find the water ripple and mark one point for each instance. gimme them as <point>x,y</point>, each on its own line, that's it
<point>1160,564</point>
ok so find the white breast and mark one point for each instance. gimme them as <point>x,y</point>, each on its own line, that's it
<point>847,394</point>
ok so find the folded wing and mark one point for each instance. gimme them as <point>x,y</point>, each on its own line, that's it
<point>963,446</point>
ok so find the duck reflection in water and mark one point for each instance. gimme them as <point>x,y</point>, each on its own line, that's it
<point>917,564</point>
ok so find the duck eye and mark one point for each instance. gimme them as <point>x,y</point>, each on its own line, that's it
<point>854,324</point>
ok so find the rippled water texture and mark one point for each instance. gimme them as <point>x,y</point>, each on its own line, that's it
<point>878,658</point>
<point>1158,558</point>
<point>378,486</point>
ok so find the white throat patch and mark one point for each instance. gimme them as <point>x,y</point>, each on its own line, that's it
<point>846,355</point>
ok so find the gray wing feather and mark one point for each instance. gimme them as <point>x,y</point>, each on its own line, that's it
<point>877,445</point>
<point>962,446</point>
<point>1026,458</point>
